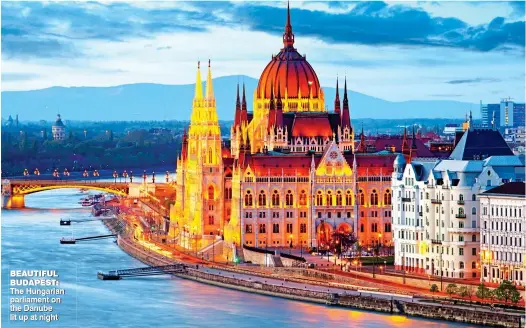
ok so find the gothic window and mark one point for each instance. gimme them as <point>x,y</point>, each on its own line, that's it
<point>374,198</point>
<point>262,228</point>
<point>361,197</point>
<point>387,197</point>
<point>329,198</point>
<point>319,198</point>
<point>210,155</point>
<point>211,192</point>
<point>289,198</point>
<point>275,198</point>
<point>303,198</point>
<point>262,198</point>
<point>248,198</point>
<point>338,198</point>
<point>348,198</point>
<point>275,228</point>
<point>473,197</point>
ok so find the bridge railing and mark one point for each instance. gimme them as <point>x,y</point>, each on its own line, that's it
<point>66,182</point>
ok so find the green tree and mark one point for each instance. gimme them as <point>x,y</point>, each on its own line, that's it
<point>515,296</point>
<point>505,290</point>
<point>451,289</point>
<point>434,288</point>
<point>482,291</point>
<point>462,291</point>
<point>491,294</point>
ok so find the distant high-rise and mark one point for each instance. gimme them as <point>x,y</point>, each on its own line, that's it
<point>505,114</point>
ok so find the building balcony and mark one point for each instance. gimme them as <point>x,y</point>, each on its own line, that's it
<point>463,230</point>
<point>406,199</point>
<point>460,202</point>
<point>436,242</point>
<point>460,216</point>
<point>420,213</point>
<point>436,201</point>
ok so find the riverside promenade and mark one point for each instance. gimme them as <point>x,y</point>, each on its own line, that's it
<point>296,286</point>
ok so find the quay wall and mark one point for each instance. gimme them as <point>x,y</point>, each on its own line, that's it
<point>430,311</point>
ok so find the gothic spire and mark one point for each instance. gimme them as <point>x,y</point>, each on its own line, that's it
<point>288,36</point>
<point>413,141</point>
<point>279,108</point>
<point>198,84</point>
<point>244,114</point>
<point>346,116</point>
<point>237,117</point>
<point>337,103</point>
<point>271,109</point>
<point>362,147</point>
<point>209,87</point>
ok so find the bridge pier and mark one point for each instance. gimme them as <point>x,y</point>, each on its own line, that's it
<point>13,201</point>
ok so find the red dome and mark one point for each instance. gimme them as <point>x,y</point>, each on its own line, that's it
<point>289,70</point>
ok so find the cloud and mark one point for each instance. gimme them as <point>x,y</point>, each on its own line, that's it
<point>18,76</point>
<point>518,9</point>
<point>476,80</point>
<point>164,48</point>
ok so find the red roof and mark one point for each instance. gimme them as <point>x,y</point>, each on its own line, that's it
<point>311,126</point>
<point>421,149</point>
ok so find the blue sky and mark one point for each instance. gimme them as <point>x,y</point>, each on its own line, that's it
<point>465,51</point>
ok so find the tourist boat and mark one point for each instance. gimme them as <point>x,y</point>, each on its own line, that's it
<point>65,222</point>
<point>87,202</point>
<point>68,241</point>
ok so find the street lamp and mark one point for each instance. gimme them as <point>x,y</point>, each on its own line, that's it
<point>56,174</point>
<point>26,173</point>
<point>131,176</point>
<point>36,172</point>
<point>115,175</point>
<point>153,177</point>
<point>85,174</point>
<point>290,251</point>
<point>144,176</point>
<point>96,174</point>
<point>125,175</point>
<point>167,175</point>
<point>66,173</point>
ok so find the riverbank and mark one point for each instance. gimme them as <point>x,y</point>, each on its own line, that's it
<point>348,299</point>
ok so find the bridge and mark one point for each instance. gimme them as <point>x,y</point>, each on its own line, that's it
<point>14,191</point>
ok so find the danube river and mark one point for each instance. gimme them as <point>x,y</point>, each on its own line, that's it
<point>30,241</point>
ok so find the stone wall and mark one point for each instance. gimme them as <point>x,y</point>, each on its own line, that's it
<point>258,258</point>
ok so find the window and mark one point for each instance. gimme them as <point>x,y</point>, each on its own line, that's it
<point>289,227</point>
<point>461,265</point>
<point>387,197</point>
<point>262,198</point>
<point>348,214</point>
<point>262,214</point>
<point>474,211</point>
<point>361,197</point>
<point>461,197</point>
<point>303,198</point>
<point>461,251</point>
<point>248,228</point>
<point>348,197</point>
<point>319,215</point>
<point>211,220</point>
<point>329,198</point>
<point>275,198</point>
<point>387,227</point>
<point>262,228</point>
<point>319,198</point>
<point>228,193</point>
<point>338,198</point>
<point>361,227</point>
<point>473,197</point>
<point>374,198</point>
<point>210,192</point>
<point>275,228</point>
<point>289,198</point>
<point>248,198</point>
<point>473,250</point>
<point>303,228</point>
<point>473,237</point>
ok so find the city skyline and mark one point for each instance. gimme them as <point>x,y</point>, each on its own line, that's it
<point>464,51</point>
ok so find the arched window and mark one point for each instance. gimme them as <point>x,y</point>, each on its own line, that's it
<point>275,198</point>
<point>262,198</point>
<point>211,192</point>
<point>248,198</point>
<point>338,198</point>
<point>460,211</point>
<point>210,155</point>
<point>461,265</point>
<point>460,197</point>
<point>361,197</point>
<point>374,198</point>
<point>289,198</point>
<point>319,198</point>
<point>303,198</point>
<point>474,210</point>
<point>329,198</point>
<point>473,265</point>
<point>348,198</point>
<point>387,197</point>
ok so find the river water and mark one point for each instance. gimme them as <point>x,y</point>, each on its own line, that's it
<point>30,241</point>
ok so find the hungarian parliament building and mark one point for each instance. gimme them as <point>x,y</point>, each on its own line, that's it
<point>291,173</point>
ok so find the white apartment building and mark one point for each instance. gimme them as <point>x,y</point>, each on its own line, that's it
<point>436,226</point>
<point>503,233</point>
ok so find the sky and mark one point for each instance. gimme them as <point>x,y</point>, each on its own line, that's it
<point>457,50</point>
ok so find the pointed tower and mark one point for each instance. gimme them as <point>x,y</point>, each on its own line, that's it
<point>244,113</point>
<point>346,116</point>
<point>337,103</point>
<point>288,36</point>
<point>405,143</point>
<point>279,109</point>
<point>237,117</point>
<point>271,110</point>
<point>362,147</point>
<point>202,178</point>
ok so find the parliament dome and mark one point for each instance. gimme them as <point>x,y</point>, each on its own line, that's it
<point>290,71</point>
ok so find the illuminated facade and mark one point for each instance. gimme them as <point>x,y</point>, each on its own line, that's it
<point>290,174</point>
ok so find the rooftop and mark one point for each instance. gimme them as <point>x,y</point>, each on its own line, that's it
<point>510,188</point>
